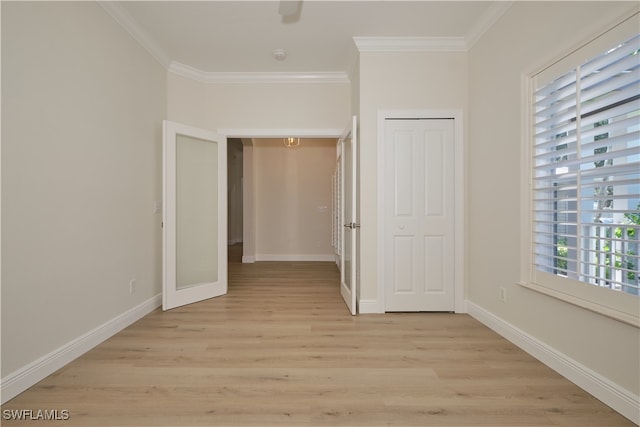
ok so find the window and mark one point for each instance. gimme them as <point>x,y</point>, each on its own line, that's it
<point>586,171</point>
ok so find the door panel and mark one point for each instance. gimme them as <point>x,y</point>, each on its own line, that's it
<point>434,173</point>
<point>419,156</point>
<point>433,265</point>
<point>349,258</point>
<point>194,215</point>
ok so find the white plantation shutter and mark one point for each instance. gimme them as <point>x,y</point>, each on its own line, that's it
<point>586,171</point>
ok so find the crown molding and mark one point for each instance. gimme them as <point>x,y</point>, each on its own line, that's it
<point>255,77</point>
<point>410,44</point>
<point>122,17</point>
<point>435,44</point>
<point>363,44</point>
<point>486,21</point>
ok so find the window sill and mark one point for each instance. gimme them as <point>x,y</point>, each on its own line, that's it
<point>621,316</point>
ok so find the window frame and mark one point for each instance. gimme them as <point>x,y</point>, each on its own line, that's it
<point>613,304</point>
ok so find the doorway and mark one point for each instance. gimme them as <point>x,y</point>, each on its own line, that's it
<point>286,197</point>
<point>235,210</point>
<point>290,203</point>
<point>292,200</point>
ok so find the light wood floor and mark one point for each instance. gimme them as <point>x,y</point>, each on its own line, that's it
<point>280,349</point>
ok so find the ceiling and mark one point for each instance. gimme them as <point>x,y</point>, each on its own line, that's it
<point>240,36</point>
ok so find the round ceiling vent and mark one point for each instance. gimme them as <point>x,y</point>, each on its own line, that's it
<point>279,54</point>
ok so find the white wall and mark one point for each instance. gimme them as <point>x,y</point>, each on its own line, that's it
<point>516,45</point>
<point>82,110</point>
<point>258,105</point>
<point>293,199</point>
<point>432,80</point>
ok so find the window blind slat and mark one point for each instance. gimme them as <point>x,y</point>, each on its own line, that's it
<point>618,74</point>
<point>604,102</point>
<point>589,161</point>
<point>619,129</point>
<point>567,80</point>
<point>555,116</point>
<point>554,130</point>
<point>612,56</point>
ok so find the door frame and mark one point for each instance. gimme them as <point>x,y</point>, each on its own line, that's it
<point>459,189</point>
<point>249,214</point>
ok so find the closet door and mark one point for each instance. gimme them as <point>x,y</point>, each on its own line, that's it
<point>420,231</point>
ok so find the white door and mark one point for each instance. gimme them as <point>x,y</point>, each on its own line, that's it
<point>349,258</point>
<point>194,215</point>
<point>419,235</point>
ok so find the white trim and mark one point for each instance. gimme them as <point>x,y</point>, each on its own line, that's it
<point>459,189</point>
<point>526,179</point>
<point>370,307</point>
<point>25,377</point>
<point>210,77</point>
<point>126,21</point>
<point>617,397</point>
<point>281,133</point>
<point>410,44</point>
<point>248,259</point>
<point>486,21</point>
<point>296,257</point>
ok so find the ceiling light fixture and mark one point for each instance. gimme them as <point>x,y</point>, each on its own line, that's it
<point>291,142</point>
<point>279,54</point>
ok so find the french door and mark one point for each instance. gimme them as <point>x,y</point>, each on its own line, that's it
<point>194,215</point>
<point>349,216</point>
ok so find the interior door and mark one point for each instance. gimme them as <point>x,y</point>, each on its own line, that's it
<point>194,215</point>
<point>419,235</point>
<point>349,258</point>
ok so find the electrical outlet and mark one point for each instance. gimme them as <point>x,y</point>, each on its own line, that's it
<point>503,295</point>
<point>132,286</point>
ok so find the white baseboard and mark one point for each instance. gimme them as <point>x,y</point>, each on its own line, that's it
<point>610,393</point>
<point>25,377</point>
<point>248,259</point>
<point>370,307</point>
<point>375,306</point>
<point>296,257</point>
